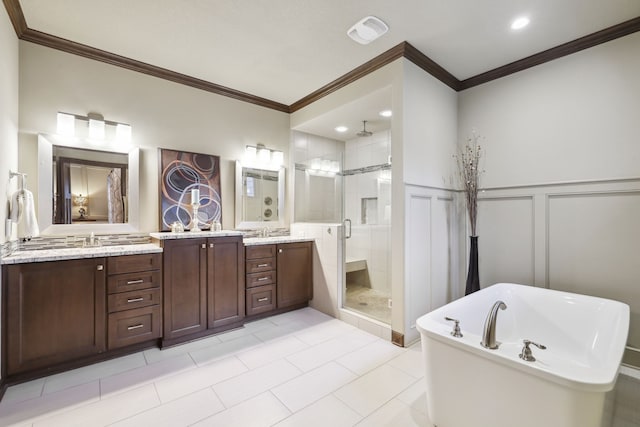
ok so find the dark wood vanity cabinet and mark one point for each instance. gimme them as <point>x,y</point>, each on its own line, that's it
<point>278,277</point>
<point>203,286</point>
<point>54,312</point>
<point>134,300</point>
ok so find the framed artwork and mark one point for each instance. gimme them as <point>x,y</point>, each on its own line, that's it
<point>188,178</point>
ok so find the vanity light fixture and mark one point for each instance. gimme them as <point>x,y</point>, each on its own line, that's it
<point>98,127</point>
<point>367,30</point>
<point>519,23</point>
<point>262,157</point>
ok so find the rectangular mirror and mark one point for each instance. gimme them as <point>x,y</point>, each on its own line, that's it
<point>84,188</point>
<point>259,197</point>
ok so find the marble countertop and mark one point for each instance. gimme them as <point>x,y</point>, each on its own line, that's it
<point>42,255</point>
<point>252,241</point>
<point>193,234</point>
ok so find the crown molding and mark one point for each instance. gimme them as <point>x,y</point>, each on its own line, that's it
<point>402,50</point>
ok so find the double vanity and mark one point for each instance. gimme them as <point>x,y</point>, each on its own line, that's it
<point>66,308</point>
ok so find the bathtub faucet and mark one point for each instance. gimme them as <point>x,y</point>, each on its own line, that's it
<point>489,335</point>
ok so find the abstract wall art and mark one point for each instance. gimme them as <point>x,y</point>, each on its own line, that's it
<point>188,178</point>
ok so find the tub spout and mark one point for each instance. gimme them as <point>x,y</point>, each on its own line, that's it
<point>489,335</point>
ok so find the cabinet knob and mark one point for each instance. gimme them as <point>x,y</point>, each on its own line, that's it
<point>204,246</point>
<point>279,251</point>
<point>100,267</point>
<point>211,245</point>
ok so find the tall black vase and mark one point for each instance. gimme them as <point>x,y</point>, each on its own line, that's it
<point>473,278</point>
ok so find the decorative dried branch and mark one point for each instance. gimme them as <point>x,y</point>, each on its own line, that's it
<point>468,159</point>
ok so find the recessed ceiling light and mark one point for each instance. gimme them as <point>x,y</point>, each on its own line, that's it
<point>386,113</point>
<point>342,129</point>
<point>519,23</point>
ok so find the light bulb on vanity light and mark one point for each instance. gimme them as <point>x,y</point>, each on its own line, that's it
<point>96,126</point>
<point>66,124</point>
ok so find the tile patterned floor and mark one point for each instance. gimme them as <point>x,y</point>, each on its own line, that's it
<point>296,369</point>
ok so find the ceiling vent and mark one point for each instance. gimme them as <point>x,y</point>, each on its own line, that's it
<point>367,30</point>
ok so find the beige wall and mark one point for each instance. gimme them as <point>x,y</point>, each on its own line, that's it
<point>8,112</point>
<point>162,114</point>
<point>563,138</point>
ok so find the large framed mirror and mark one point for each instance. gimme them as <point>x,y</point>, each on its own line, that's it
<point>259,197</point>
<point>83,188</point>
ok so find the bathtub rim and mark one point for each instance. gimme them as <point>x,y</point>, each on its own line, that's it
<point>603,383</point>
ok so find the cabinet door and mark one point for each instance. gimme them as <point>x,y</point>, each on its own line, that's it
<point>55,312</point>
<point>185,291</point>
<point>295,274</point>
<point>226,281</point>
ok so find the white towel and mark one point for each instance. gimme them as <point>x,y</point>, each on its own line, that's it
<point>23,213</point>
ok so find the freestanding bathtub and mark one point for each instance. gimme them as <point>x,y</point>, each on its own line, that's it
<point>471,386</point>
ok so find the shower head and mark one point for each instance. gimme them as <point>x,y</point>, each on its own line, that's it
<point>364,131</point>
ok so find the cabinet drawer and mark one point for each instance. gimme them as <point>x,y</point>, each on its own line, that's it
<point>261,299</point>
<point>134,326</point>
<point>132,263</point>
<point>134,281</point>
<point>260,279</point>
<point>262,264</point>
<point>260,251</point>
<point>134,299</point>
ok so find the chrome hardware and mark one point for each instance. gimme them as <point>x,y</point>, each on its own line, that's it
<point>100,267</point>
<point>489,334</point>
<point>526,353</point>
<point>279,251</point>
<point>131,328</point>
<point>456,327</point>
<point>135,299</point>
<point>347,236</point>
<point>135,282</point>
<point>263,265</point>
<point>263,299</point>
<point>204,246</point>
<point>262,278</point>
<point>211,245</point>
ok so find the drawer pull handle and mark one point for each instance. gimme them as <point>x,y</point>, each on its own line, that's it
<point>100,267</point>
<point>263,299</point>
<point>263,265</point>
<point>131,328</point>
<point>262,278</point>
<point>135,282</point>
<point>135,299</point>
<point>211,245</point>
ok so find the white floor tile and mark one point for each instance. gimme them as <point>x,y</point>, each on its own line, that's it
<point>327,411</point>
<point>197,379</point>
<point>255,382</point>
<point>324,331</point>
<point>395,413</point>
<point>54,403</point>
<point>180,412</point>
<point>24,391</point>
<point>416,396</point>
<point>261,411</point>
<point>312,386</point>
<point>155,355</point>
<point>248,329</point>
<point>370,356</point>
<point>411,362</point>
<point>93,372</point>
<point>280,331</point>
<point>373,389</point>
<point>331,349</point>
<point>106,411</point>
<point>224,349</point>
<point>271,351</point>
<point>146,374</point>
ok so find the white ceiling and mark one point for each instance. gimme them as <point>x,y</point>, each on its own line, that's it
<point>283,50</point>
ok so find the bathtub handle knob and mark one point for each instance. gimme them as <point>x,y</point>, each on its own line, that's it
<point>456,327</point>
<point>527,354</point>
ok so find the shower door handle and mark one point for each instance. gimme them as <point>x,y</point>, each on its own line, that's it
<point>347,230</point>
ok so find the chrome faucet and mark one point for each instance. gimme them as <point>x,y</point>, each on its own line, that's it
<point>489,335</point>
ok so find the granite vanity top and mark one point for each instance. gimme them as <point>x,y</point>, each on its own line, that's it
<point>193,234</point>
<point>252,241</point>
<point>61,254</point>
